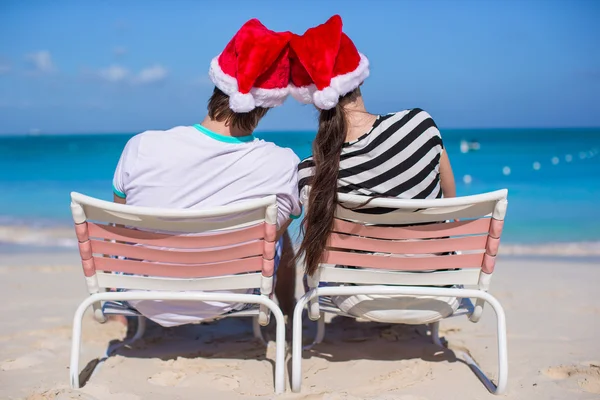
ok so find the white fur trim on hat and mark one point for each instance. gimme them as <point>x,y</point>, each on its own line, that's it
<point>269,97</point>
<point>346,83</point>
<point>260,97</point>
<point>303,94</point>
<point>227,83</point>
<point>327,98</point>
<point>339,86</point>
<point>241,102</point>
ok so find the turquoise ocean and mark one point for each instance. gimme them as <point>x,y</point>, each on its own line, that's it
<point>553,177</point>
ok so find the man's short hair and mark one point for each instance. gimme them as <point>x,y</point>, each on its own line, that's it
<point>218,109</point>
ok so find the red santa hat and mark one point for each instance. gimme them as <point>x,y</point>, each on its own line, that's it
<point>325,65</point>
<point>254,68</point>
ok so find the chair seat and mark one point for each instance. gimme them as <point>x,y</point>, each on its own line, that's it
<point>123,308</point>
<point>119,308</point>
<point>327,305</point>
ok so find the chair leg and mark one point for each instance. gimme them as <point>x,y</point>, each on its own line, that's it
<point>76,346</point>
<point>297,343</point>
<point>141,328</point>
<point>279,349</point>
<point>257,331</point>
<point>502,353</point>
<point>98,314</point>
<point>139,332</point>
<point>435,333</point>
<point>320,333</point>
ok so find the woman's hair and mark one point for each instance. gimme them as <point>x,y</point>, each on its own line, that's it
<point>327,148</point>
<point>218,109</point>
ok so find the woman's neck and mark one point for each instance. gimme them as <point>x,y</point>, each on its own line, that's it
<point>359,119</point>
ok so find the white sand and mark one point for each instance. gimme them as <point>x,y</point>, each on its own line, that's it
<point>552,309</point>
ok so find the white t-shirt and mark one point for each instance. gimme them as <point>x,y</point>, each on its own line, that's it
<point>193,167</point>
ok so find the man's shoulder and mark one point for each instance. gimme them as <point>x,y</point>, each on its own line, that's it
<point>155,136</point>
<point>283,154</point>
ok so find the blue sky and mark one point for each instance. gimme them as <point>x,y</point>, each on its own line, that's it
<point>128,66</point>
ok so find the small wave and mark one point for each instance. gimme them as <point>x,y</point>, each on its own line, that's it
<point>570,249</point>
<point>64,237</point>
<point>39,237</point>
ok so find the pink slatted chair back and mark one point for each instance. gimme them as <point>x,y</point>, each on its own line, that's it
<point>418,235</point>
<point>167,243</point>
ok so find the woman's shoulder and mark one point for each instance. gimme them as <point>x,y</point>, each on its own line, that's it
<point>306,163</point>
<point>408,120</point>
<point>409,114</point>
<point>407,126</point>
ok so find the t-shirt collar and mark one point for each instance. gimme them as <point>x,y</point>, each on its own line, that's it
<point>223,138</point>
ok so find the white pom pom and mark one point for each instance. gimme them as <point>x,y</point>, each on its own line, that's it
<point>303,94</point>
<point>326,99</point>
<point>241,102</point>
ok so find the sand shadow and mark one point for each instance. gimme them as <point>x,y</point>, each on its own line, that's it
<point>347,339</point>
<point>86,373</point>
<point>228,338</point>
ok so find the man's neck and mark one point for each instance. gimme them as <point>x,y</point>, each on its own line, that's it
<point>222,129</point>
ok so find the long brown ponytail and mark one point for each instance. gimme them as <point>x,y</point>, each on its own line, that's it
<point>327,149</point>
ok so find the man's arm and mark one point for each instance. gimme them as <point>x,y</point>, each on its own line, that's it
<point>285,288</point>
<point>117,199</point>
<point>281,230</point>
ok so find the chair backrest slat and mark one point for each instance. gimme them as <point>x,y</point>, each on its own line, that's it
<point>416,216</point>
<point>189,225</point>
<point>253,264</point>
<point>249,249</point>
<point>246,213</point>
<point>139,282</point>
<point>403,263</point>
<point>432,246</point>
<point>469,276</point>
<point>224,238</point>
<point>428,231</point>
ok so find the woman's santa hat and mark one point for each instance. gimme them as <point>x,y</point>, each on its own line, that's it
<point>254,68</point>
<point>325,65</point>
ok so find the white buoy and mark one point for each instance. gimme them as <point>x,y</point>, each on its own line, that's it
<point>537,166</point>
<point>464,146</point>
<point>555,160</point>
<point>506,171</point>
<point>467,179</point>
<point>568,158</point>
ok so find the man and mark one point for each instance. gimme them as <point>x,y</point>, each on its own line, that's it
<point>218,162</point>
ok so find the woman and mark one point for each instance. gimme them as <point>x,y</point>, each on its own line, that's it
<point>394,155</point>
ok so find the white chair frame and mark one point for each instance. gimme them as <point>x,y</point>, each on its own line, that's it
<point>249,215</point>
<point>371,280</point>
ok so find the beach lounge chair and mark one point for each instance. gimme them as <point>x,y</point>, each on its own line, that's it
<point>401,260</point>
<point>224,248</point>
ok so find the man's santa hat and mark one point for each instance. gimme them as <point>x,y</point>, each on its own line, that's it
<point>254,68</point>
<point>325,65</point>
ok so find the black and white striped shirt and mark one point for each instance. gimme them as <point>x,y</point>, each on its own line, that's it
<point>398,157</point>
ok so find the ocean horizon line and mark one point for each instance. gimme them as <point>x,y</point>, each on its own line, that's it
<point>268,131</point>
